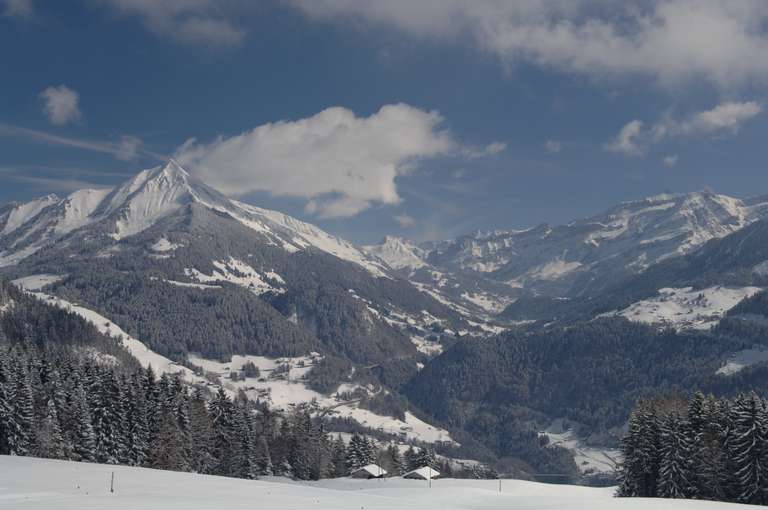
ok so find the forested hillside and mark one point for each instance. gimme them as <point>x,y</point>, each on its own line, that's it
<point>502,389</point>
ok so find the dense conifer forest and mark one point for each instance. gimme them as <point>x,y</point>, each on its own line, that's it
<point>702,448</point>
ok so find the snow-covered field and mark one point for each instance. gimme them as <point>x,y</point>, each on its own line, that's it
<point>588,459</point>
<point>686,307</point>
<point>742,359</point>
<point>32,484</point>
<point>288,389</point>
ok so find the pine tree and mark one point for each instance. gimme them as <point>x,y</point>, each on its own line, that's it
<point>222,417</point>
<point>675,471</point>
<point>108,418</point>
<point>263,458</point>
<point>426,458</point>
<point>137,433</point>
<point>750,454</point>
<point>83,437</point>
<point>411,459</point>
<point>357,453</point>
<point>339,458</point>
<point>23,411</point>
<point>202,459</point>
<point>49,441</point>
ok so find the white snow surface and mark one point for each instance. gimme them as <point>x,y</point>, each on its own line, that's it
<point>36,281</point>
<point>285,390</point>
<point>152,195</point>
<point>398,253</point>
<point>164,245</point>
<point>238,272</point>
<point>22,213</point>
<point>588,459</point>
<point>39,484</point>
<point>742,359</point>
<point>686,307</point>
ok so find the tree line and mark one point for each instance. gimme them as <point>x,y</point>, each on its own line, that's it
<point>58,404</point>
<point>700,448</point>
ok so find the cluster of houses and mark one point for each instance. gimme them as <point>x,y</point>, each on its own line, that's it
<point>373,471</point>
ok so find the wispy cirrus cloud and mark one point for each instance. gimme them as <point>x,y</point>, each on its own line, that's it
<point>16,8</point>
<point>635,137</point>
<point>126,148</point>
<point>194,22</point>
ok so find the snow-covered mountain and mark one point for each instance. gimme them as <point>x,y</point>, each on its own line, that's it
<point>585,255</point>
<point>141,202</point>
<point>288,287</point>
<point>398,253</point>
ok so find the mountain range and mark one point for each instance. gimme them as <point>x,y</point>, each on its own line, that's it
<point>475,342</point>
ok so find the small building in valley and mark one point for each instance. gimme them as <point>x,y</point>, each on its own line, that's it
<point>369,471</point>
<point>423,473</point>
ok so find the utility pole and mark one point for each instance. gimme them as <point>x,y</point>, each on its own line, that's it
<point>112,483</point>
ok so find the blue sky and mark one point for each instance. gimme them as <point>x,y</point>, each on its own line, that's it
<point>422,118</point>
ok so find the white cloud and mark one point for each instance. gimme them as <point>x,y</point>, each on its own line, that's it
<point>671,41</point>
<point>553,146</point>
<point>61,104</point>
<point>481,152</point>
<point>16,8</point>
<point>127,149</point>
<point>198,22</point>
<point>627,139</point>
<point>341,163</point>
<point>405,220</point>
<point>670,161</point>
<point>724,118</point>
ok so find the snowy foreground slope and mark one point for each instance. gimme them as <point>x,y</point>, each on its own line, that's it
<point>30,484</point>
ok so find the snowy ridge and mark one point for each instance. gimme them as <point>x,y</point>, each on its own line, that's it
<point>624,239</point>
<point>147,198</point>
<point>398,253</point>
<point>22,213</point>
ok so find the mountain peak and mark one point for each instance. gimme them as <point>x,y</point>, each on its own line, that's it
<point>174,170</point>
<point>398,253</point>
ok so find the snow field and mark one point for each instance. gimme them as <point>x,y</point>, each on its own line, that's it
<point>39,484</point>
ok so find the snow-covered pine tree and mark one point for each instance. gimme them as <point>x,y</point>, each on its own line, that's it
<point>410,459</point>
<point>82,435</point>
<point>750,450</point>
<point>639,471</point>
<point>675,471</point>
<point>108,417</point>
<point>263,457</point>
<point>202,459</point>
<point>137,431</point>
<point>222,418</point>
<point>339,458</point>
<point>49,441</point>
<point>357,452</point>
<point>426,458</point>
<point>22,402</point>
